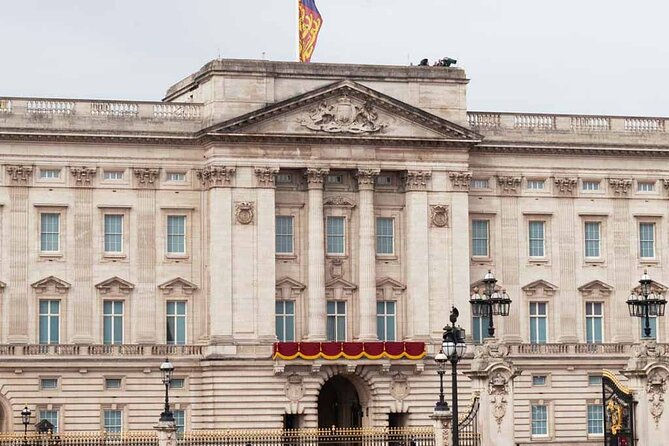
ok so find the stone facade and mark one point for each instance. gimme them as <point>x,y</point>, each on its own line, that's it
<point>170,209</point>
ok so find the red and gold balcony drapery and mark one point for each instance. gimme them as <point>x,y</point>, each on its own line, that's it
<point>348,350</point>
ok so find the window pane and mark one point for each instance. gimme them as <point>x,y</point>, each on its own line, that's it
<point>595,419</point>
<point>653,328</point>
<point>335,235</point>
<point>179,420</point>
<point>49,232</point>
<point>539,420</point>
<point>176,233</point>
<point>384,236</point>
<point>113,233</point>
<point>284,234</point>
<point>480,238</point>
<point>647,240</point>
<point>592,238</point>
<point>113,420</point>
<point>536,239</point>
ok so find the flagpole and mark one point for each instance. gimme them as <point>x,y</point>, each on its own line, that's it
<point>297,29</point>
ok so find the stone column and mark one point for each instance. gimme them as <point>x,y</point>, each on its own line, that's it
<point>366,255</point>
<point>217,181</point>
<point>417,249</point>
<point>316,306</point>
<point>19,177</point>
<point>167,433</point>
<point>443,421</point>
<point>566,259</point>
<point>623,262</point>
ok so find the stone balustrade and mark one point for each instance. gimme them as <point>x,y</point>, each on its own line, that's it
<point>160,350</point>
<point>568,349</point>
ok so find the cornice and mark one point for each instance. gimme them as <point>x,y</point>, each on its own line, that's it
<point>573,149</point>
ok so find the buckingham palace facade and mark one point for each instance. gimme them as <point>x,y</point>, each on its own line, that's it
<point>293,237</point>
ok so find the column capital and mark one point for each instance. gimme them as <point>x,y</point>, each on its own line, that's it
<point>83,176</point>
<point>266,176</point>
<point>19,175</point>
<point>213,176</point>
<point>366,178</point>
<point>416,180</point>
<point>146,176</point>
<point>315,177</point>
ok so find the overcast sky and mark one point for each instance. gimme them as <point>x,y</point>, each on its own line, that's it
<point>566,56</point>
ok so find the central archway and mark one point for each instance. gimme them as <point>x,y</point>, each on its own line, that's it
<point>339,404</point>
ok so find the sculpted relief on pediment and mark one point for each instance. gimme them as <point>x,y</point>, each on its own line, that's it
<point>342,115</point>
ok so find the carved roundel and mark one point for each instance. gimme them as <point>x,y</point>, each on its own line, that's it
<point>294,387</point>
<point>439,215</point>
<point>244,212</point>
<point>399,387</point>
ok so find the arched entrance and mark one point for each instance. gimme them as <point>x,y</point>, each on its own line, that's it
<point>339,404</point>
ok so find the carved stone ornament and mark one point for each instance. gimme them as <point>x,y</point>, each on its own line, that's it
<point>342,116</point>
<point>491,351</point>
<point>416,180</point>
<point>509,185</point>
<point>566,185</point>
<point>315,176</point>
<point>665,182</point>
<point>439,215</point>
<point>656,389</point>
<point>83,176</point>
<point>146,176</point>
<point>244,212</point>
<point>212,176</point>
<point>339,201</point>
<point>498,390</point>
<point>620,186</point>
<point>399,386</point>
<point>294,388</point>
<point>266,176</point>
<point>366,178</point>
<point>19,174</point>
<point>336,268</point>
<point>460,180</point>
<point>643,354</point>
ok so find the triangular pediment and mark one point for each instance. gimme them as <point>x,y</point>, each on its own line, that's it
<point>341,283</point>
<point>595,287</point>
<point>655,287</point>
<point>387,281</point>
<point>479,286</point>
<point>115,285</point>
<point>288,288</point>
<point>343,110</point>
<point>52,285</point>
<point>539,287</point>
<point>291,283</point>
<point>178,285</point>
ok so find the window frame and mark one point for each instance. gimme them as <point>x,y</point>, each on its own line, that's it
<point>600,317</point>
<point>109,378</point>
<point>654,329</point>
<point>545,316</point>
<point>393,231</point>
<point>282,316</point>
<point>184,316</point>
<point>185,235</point>
<point>484,322</point>
<point>52,409</point>
<point>59,250</point>
<point>170,172</point>
<point>113,316</point>
<point>590,404</point>
<point>106,174</point>
<point>50,179</point>
<point>344,236</point>
<point>336,315</point>
<point>590,258</point>
<point>474,183</point>
<point>49,378</point>
<point>49,315</point>
<point>120,411</point>
<point>488,222</point>
<point>655,246</point>
<point>536,181</point>
<point>544,237</point>
<point>646,187</point>
<point>290,253</point>
<point>593,181</point>
<point>546,420</point>
<point>122,235</point>
<point>384,316</point>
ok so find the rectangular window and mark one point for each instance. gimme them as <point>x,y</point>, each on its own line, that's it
<point>479,183</point>
<point>591,185</point>
<point>336,322</point>
<point>592,238</point>
<point>594,321</point>
<point>645,186</point>
<point>647,240</point>
<point>284,234</point>
<point>284,178</point>
<point>653,328</point>
<point>177,383</point>
<point>539,419</point>
<point>176,322</point>
<point>385,321</point>
<point>112,322</point>
<point>179,420</point>
<point>176,176</point>
<point>113,233</point>
<point>335,179</point>
<point>538,322</point>
<point>113,421</point>
<point>335,231</point>
<point>385,238</point>
<point>48,383</point>
<point>539,380</point>
<point>480,238</point>
<point>595,419</point>
<point>384,180</point>
<point>176,234</point>
<point>594,380</point>
<point>49,321</point>
<point>113,175</point>
<point>49,232</point>
<point>49,174</point>
<point>480,328</point>
<point>113,383</point>
<point>537,238</point>
<point>285,320</point>
<point>536,184</point>
<point>51,416</point>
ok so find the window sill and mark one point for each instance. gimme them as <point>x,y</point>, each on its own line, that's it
<point>649,261</point>
<point>114,255</point>
<point>538,260</point>
<point>386,257</point>
<point>340,256</point>
<point>594,261</point>
<point>475,259</point>
<point>51,255</point>
<point>286,256</point>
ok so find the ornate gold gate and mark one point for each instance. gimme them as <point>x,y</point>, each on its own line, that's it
<point>618,412</point>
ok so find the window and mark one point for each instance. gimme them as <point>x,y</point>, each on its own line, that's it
<point>536,184</point>
<point>595,419</point>
<point>335,235</point>
<point>284,234</point>
<point>538,322</point>
<point>480,238</point>
<point>647,240</point>
<point>590,185</point>
<point>113,175</point>
<point>336,322</point>
<point>49,174</point>
<point>335,179</point>
<point>592,238</point>
<point>113,233</point>
<point>284,178</point>
<point>176,322</point>
<point>177,383</point>
<point>385,235</point>
<point>539,380</point>
<point>594,380</point>
<point>385,320</point>
<point>384,180</point>
<point>49,232</point>
<point>594,321</point>
<point>480,328</point>
<point>51,416</point>
<point>645,186</point>
<point>48,383</point>
<point>113,420</point>
<point>49,321</point>
<point>113,383</point>
<point>653,328</point>
<point>539,420</point>
<point>536,238</point>
<point>479,183</point>
<point>179,420</point>
<point>176,176</point>
<point>176,234</point>
<point>112,322</point>
<point>285,320</point>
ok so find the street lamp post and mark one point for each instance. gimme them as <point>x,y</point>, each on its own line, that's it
<point>491,302</point>
<point>25,418</point>
<point>440,358</point>
<point>166,368</point>
<point>454,348</point>
<point>646,303</point>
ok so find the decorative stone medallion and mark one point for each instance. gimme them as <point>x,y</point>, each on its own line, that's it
<point>294,388</point>
<point>439,215</point>
<point>244,212</point>
<point>399,386</point>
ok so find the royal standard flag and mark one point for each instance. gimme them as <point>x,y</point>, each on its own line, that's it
<point>310,22</point>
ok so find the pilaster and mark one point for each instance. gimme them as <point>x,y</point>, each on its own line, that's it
<point>510,271</point>
<point>622,262</point>
<point>569,297</point>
